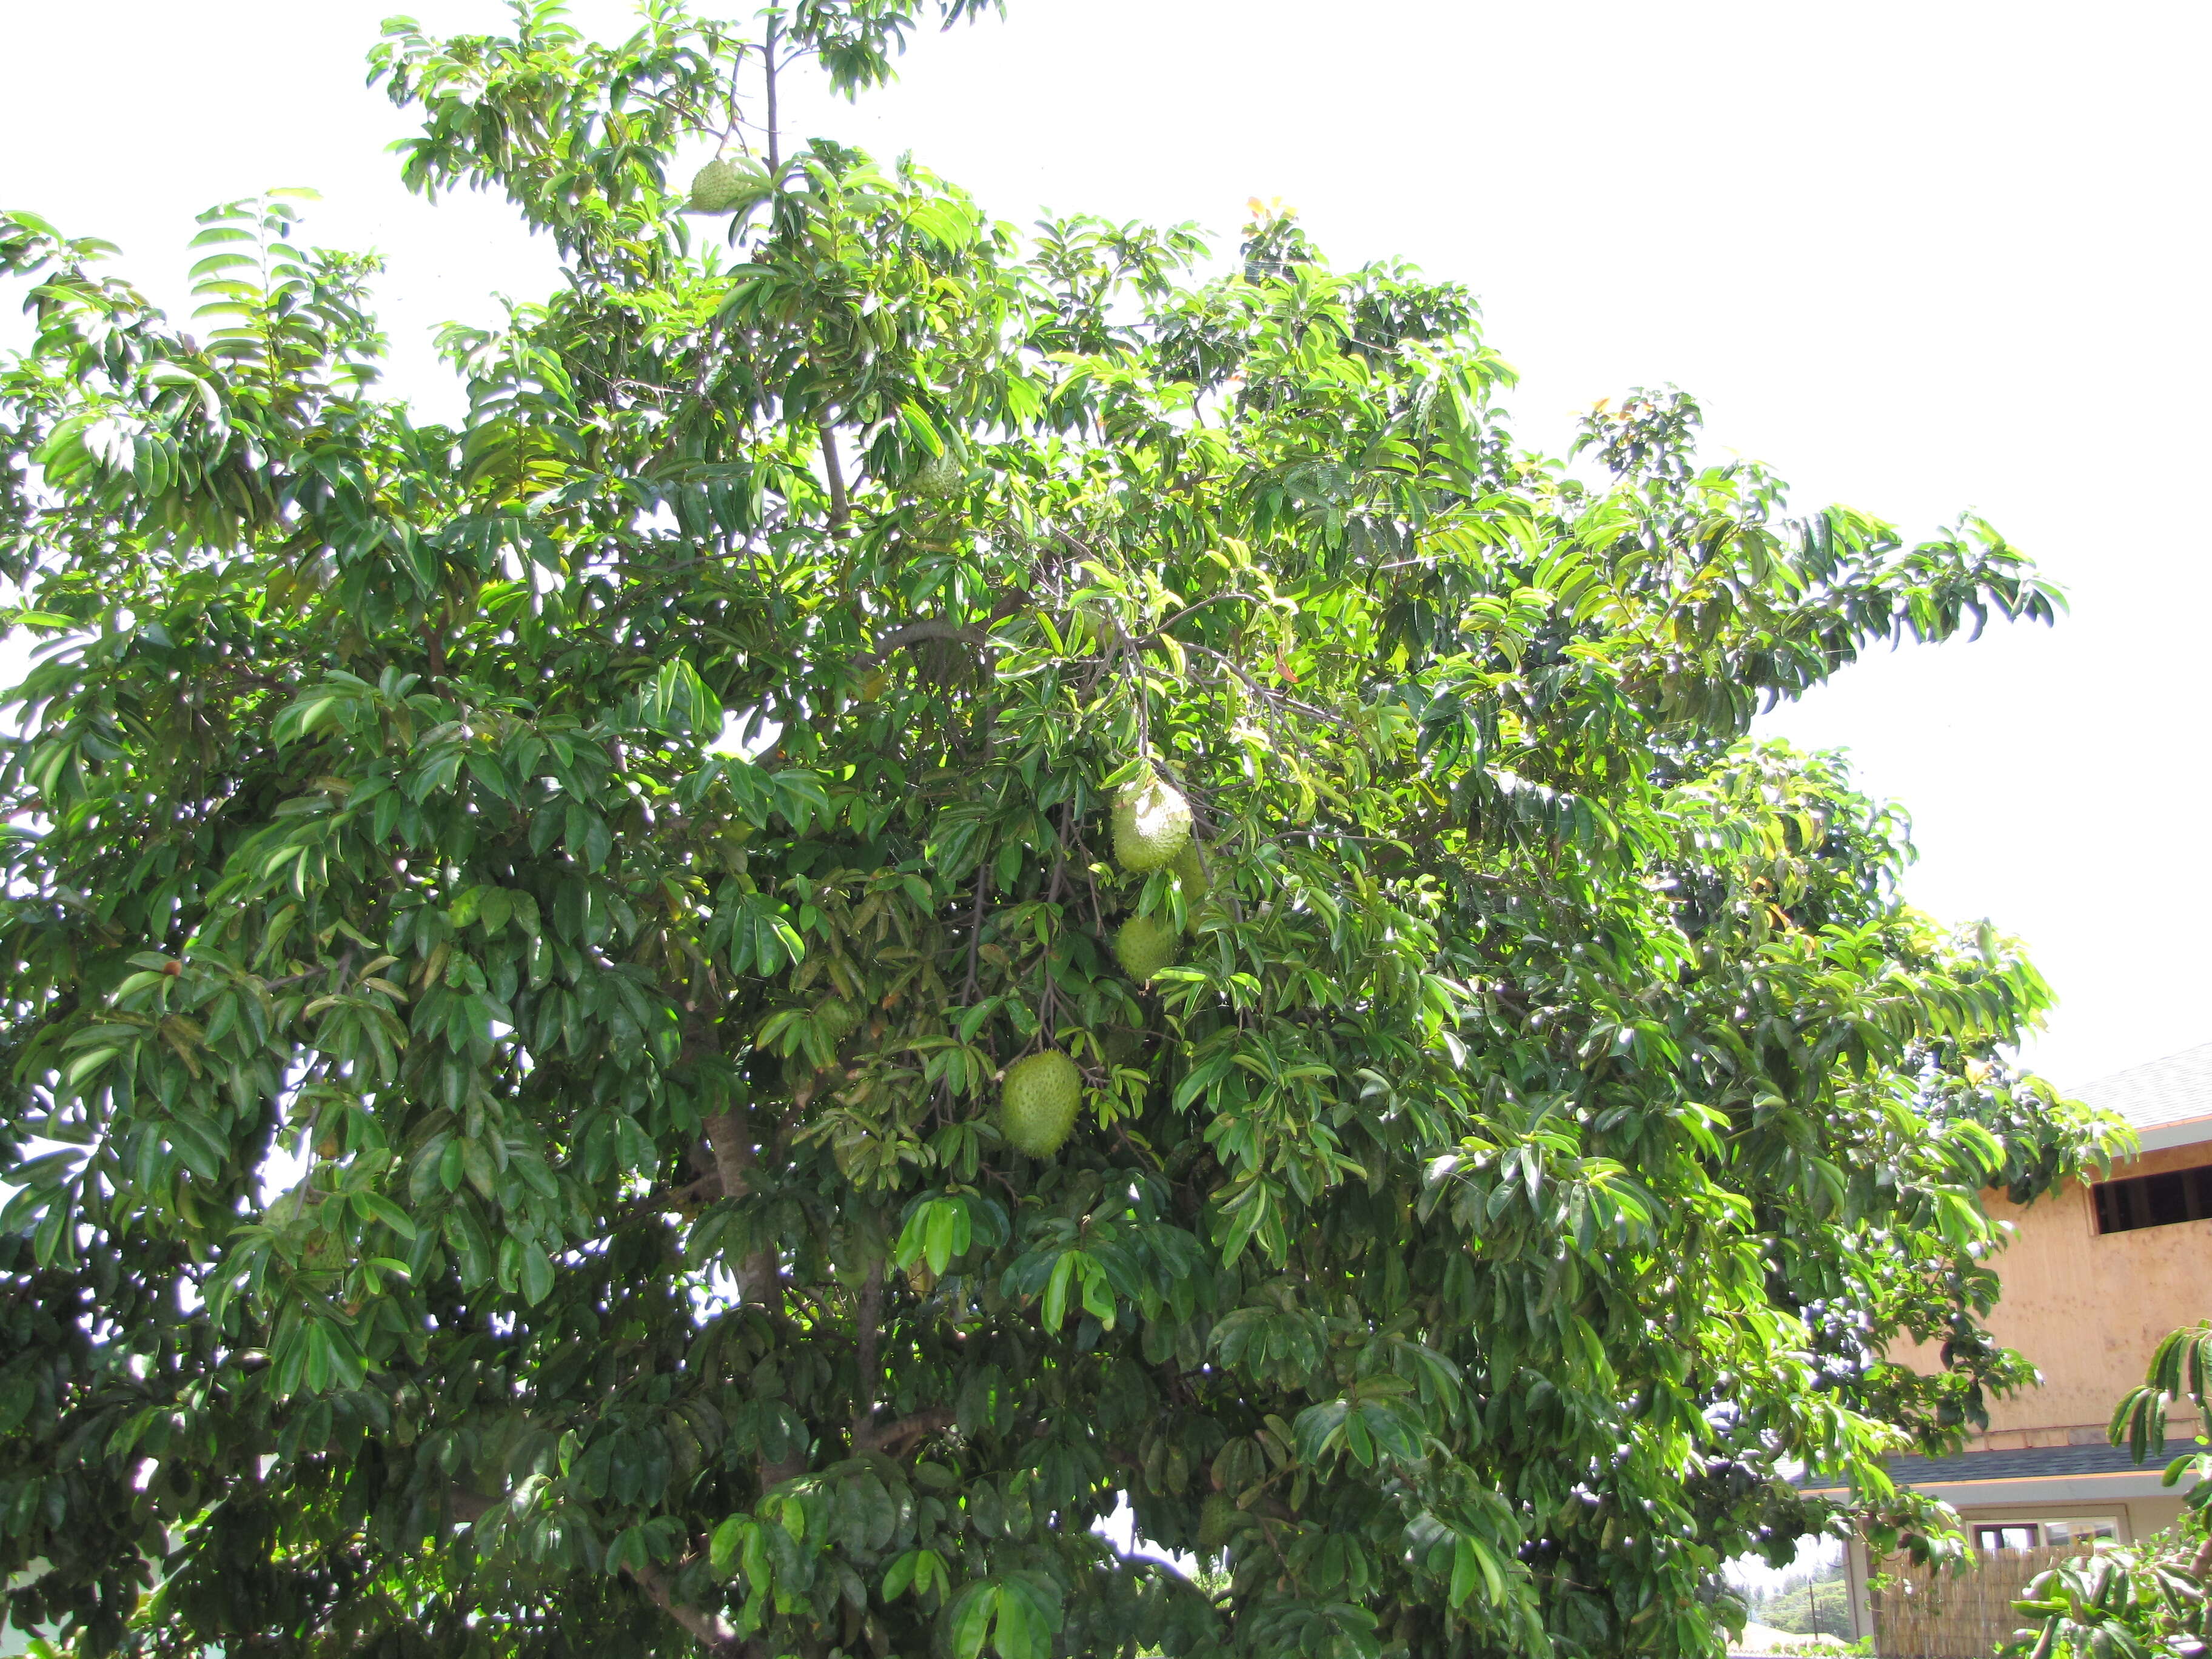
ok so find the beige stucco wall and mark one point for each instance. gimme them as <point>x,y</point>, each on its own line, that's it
<point>2088,1311</point>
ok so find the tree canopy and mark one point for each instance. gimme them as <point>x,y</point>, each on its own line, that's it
<point>513,932</point>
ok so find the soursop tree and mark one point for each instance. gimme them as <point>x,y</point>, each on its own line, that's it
<point>515,933</point>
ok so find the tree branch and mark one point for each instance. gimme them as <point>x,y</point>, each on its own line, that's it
<point>1060,856</point>
<point>841,509</point>
<point>1144,640</point>
<point>466,1506</point>
<point>717,1633</point>
<point>918,634</point>
<point>767,60</point>
<point>892,1437</point>
<point>976,932</point>
<point>869,1316</point>
<point>731,1137</point>
<point>728,1137</point>
<point>1274,699</point>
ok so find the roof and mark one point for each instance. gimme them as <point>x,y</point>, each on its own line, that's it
<point>2160,1096</point>
<point>2091,1475</point>
<point>2028,1463</point>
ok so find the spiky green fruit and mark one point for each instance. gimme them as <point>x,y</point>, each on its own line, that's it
<point>293,1214</point>
<point>1036,1105</point>
<point>1190,873</point>
<point>1152,824</point>
<point>1089,627</point>
<point>938,477</point>
<point>1217,1524</point>
<point>716,187</point>
<point>1144,945</point>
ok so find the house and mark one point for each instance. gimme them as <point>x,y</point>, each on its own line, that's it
<point>2094,1277</point>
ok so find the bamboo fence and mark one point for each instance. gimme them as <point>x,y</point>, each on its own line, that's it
<point>1923,1613</point>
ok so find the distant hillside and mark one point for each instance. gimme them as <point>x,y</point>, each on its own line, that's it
<point>1820,1607</point>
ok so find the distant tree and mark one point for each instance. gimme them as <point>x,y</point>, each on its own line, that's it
<point>609,852</point>
<point>1816,1602</point>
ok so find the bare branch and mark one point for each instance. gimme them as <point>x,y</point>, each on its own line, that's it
<point>841,508</point>
<point>1060,856</point>
<point>976,932</point>
<point>869,1330</point>
<point>1144,640</point>
<point>893,1436</point>
<point>465,1505</point>
<point>917,634</point>
<point>717,1633</point>
<point>731,1136</point>
<point>1273,698</point>
<point>768,62</point>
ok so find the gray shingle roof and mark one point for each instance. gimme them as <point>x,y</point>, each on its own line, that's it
<point>2028,1463</point>
<point>2169,1091</point>
<point>2024,1463</point>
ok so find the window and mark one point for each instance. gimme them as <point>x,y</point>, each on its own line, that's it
<point>2079,1532</point>
<point>1997,1536</point>
<point>2154,1200</point>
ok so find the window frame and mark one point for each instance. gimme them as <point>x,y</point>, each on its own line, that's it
<point>2128,1201</point>
<point>2080,1529</point>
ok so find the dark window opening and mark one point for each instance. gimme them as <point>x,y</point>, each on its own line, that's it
<point>2154,1200</point>
<point>1995,1537</point>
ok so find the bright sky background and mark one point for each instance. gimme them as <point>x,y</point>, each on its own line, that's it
<point>1920,256</point>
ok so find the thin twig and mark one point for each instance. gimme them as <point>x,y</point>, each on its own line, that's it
<point>730,103</point>
<point>1097,915</point>
<point>1143,697</point>
<point>1144,640</point>
<point>975,933</point>
<point>1059,859</point>
<point>1048,1005</point>
<point>1273,698</point>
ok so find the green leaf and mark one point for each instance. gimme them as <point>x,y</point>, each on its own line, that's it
<point>728,1540</point>
<point>536,1274</point>
<point>1054,1311</point>
<point>374,1207</point>
<point>969,1617</point>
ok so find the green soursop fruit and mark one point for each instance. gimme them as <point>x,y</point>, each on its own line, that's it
<point>1089,627</point>
<point>836,1018</point>
<point>1037,1107</point>
<point>1190,874</point>
<point>1144,945</point>
<point>940,478</point>
<point>293,1213</point>
<point>1152,824</point>
<point>716,187</point>
<point>1217,1524</point>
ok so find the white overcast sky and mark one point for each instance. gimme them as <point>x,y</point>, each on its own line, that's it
<point>1918,257</point>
